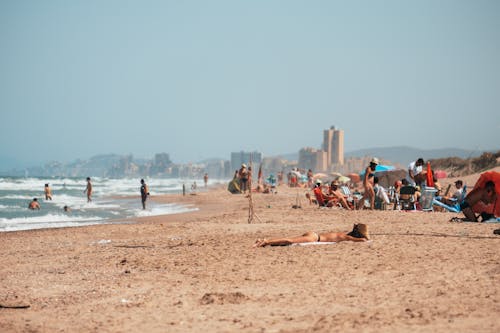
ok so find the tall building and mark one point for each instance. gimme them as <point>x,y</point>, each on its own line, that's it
<point>245,157</point>
<point>338,147</point>
<point>333,144</point>
<point>328,144</point>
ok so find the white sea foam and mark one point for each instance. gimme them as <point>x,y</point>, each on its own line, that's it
<point>165,210</point>
<point>16,193</point>
<point>46,221</point>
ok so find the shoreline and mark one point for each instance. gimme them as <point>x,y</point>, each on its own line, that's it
<point>198,271</point>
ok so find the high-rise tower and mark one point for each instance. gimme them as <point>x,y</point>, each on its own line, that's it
<point>333,144</point>
<point>338,147</point>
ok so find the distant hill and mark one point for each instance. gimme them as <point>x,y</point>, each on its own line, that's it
<point>404,155</point>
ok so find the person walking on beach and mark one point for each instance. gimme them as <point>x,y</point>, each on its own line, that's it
<point>205,179</point>
<point>88,190</point>
<point>144,193</point>
<point>34,205</point>
<point>48,192</point>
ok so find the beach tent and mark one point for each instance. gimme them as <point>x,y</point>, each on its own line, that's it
<point>234,186</point>
<point>491,208</point>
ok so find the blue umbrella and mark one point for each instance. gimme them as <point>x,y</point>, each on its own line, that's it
<point>380,168</point>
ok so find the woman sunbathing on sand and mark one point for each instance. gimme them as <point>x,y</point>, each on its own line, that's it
<point>359,233</point>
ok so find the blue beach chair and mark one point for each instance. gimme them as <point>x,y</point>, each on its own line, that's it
<point>455,208</point>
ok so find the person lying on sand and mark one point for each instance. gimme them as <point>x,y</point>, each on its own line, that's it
<point>359,233</point>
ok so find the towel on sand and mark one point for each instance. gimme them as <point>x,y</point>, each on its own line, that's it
<point>320,243</point>
<point>313,243</point>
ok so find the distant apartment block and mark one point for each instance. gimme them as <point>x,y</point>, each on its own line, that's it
<point>329,157</point>
<point>245,157</point>
<point>314,159</point>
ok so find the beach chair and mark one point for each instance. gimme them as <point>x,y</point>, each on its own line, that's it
<point>352,199</point>
<point>455,208</point>
<point>271,181</point>
<point>407,198</point>
<point>323,201</point>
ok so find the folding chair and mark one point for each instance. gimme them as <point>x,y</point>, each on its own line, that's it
<point>352,199</point>
<point>407,198</point>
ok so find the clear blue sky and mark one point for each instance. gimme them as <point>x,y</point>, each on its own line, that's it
<point>199,79</point>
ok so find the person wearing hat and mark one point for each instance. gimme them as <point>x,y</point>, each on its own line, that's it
<point>335,192</point>
<point>359,233</point>
<point>457,196</point>
<point>368,184</point>
<point>243,176</point>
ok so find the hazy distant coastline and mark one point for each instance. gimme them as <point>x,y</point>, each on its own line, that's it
<point>116,166</point>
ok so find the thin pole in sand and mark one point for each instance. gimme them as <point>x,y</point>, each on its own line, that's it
<point>251,213</point>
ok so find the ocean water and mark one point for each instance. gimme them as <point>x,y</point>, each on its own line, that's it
<point>112,200</point>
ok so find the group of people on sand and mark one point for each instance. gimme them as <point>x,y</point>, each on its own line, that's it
<point>416,177</point>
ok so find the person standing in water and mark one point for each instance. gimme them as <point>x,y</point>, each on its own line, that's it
<point>48,192</point>
<point>144,193</point>
<point>88,190</point>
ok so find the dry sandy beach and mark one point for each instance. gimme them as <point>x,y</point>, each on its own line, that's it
<point>198,272</point>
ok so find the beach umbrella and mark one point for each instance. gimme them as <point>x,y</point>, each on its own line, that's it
<point>491,208</point>
<point>320,175</point>
<point>380,168</point>
<point>439,174</point>
<point>354,177</point>
<point>344,179</point>
<point>429,179</point>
